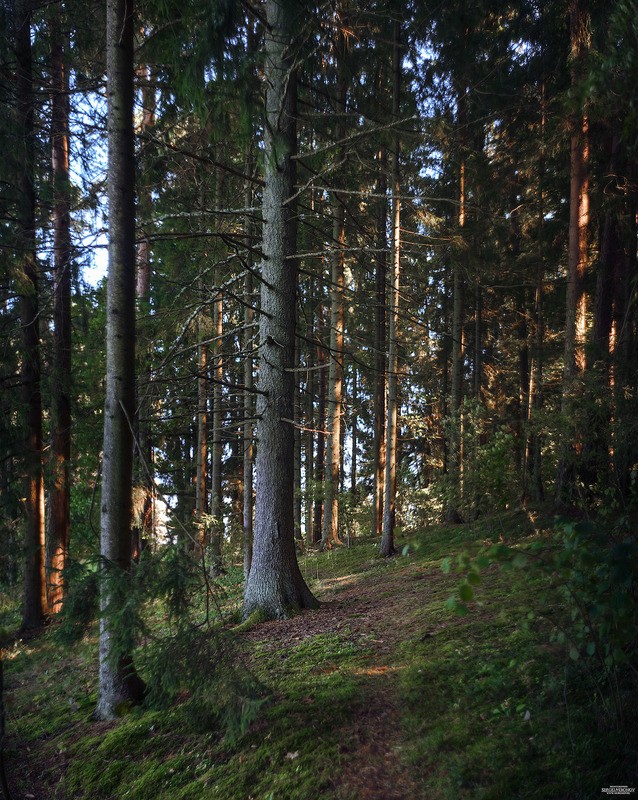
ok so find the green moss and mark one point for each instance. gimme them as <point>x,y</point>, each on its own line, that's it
<point>489,709</point>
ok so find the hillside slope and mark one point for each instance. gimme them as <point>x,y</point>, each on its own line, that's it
<point>380,694</point>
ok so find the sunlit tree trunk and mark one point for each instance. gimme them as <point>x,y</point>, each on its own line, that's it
<point>201,506</point>
<point>118,682</point>
<point>354,433</point>
<point>35,605</point>
<point>577,252</point>
<point>330,530</point>
<point>275,584</point>
<point>389,490</point>
<point>380,343</point>
<point>61,383</point>
<point>455,434</point>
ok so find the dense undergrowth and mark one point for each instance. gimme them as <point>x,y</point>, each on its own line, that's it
<point>487,704</point>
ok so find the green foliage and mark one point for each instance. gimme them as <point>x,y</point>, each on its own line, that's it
<point>201,665</point>
<point>598,575</point>
<point>81,603</point>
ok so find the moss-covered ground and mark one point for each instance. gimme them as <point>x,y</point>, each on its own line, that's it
<point>382,694</point>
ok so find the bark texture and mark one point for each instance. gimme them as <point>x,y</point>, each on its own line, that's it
<point>330,531</point>
<point>380,345</point>
<point>61,384</point>
<point>275,585</point>
<point>118,682</point>
<point>248,395</point>
<point>35,605</point>
<point>389,487</point>
<point>577,251</point>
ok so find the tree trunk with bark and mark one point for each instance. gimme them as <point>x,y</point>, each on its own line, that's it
<point>61,384</point>
<point>330,530</point>
<point>248,394</point>
<point>119,684</point>
<point>455,422</point>
<point>389,491</point>
<point>275,585</point>
<point>380,344</point>
<point>143,459</point>
<point>35,606</point>
<point>320,460</point>
<point>577,252</point>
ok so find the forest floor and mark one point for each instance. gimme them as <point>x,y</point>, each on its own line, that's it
<point>380,694</point>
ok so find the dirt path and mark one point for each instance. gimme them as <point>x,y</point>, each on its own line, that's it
<point>376,611</point>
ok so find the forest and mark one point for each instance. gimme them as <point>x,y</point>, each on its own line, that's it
<point>319,408</point>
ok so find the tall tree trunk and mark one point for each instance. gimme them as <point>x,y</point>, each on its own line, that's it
<point>597,444</point>
<point>625,355</point>
<point>310,423</point>
<point>389,489</point>
<point>216,493</point>
<point>330,530</point>
<point>118,682</point>
<point>354,437</point>
<point>535,398</point>
<point>275,584</point>
<point>201,506</point>
<point>455,436</point>
<point>577,252</point>
<point>35,605</point>
<point>143,458</point>
<point>297,445</point>
<point>248,395</point>
<point>321,425</point>
<point>61,384</point>
<point>380,343</point>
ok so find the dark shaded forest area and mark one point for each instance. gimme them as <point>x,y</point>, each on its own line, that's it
<point>336,287</point>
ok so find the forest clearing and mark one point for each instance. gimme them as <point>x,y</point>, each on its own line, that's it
<point>380,694</point>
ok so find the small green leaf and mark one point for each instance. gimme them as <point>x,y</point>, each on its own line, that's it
<point>446,565</point>
<point>591,648</point>
<point>519,561</point>
<point>451,603</point>
<point>574,654</point>
<point>466,593</point>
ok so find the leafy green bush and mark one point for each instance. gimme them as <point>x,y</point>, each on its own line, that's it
<point>597,572</point>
